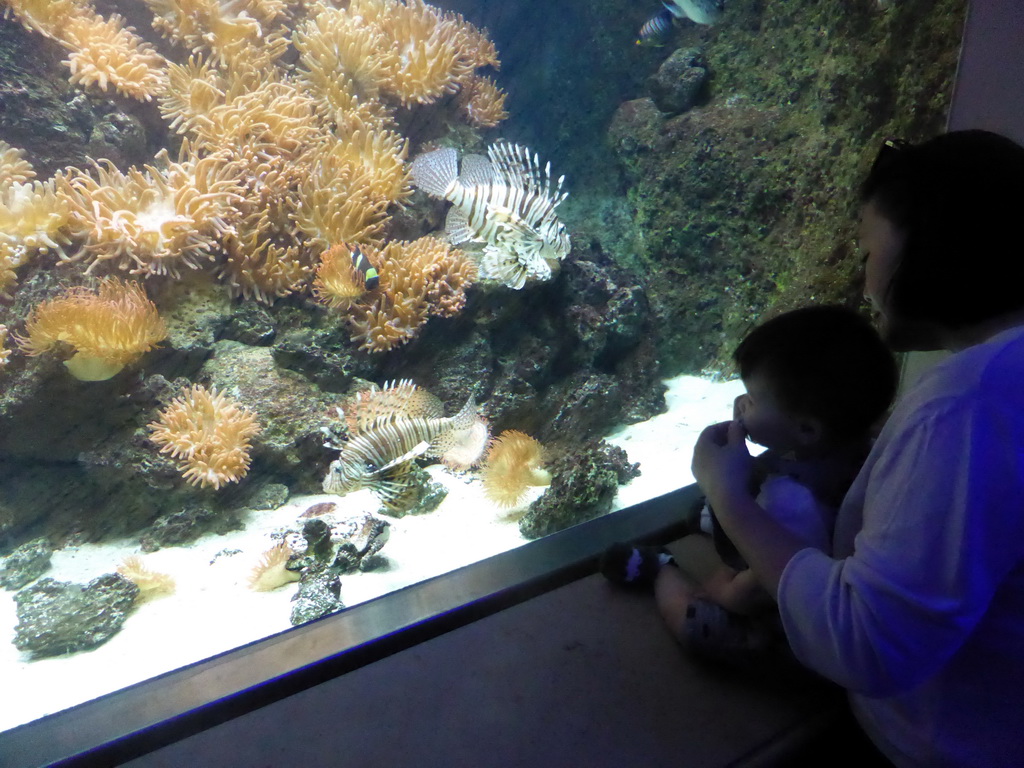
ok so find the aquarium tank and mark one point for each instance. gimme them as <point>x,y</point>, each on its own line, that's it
<point>303,301</point>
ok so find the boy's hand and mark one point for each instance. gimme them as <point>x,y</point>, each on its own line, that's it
<point>722,465</point>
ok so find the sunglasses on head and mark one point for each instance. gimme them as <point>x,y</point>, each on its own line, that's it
<point>887,152</point>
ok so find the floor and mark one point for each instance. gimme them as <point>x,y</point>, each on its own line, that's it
<point>584,675</point>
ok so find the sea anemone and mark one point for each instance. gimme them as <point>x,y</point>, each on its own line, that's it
<point>208,434</point>
<point>150,583</point>
<point>341,64</point>
<point>424,46</point>
<point>105,52</point>
<point>482,101</point>
<point>247,104</point>
<point>338,283</point>
<point>512,468</point>
<point>154,220</point>
<point>108,328</point>
<point>5,354</point>
<point>266,257</point>
<point>47,17</point>
<point>271,572</point>
<point>33,218</point>
<point>229,29</point>
<point>418,279</point>
<point>14,168</point>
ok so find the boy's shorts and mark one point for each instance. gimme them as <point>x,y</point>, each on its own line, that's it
<point>750,643</point>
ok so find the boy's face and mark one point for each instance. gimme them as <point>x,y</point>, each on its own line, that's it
<point>765,421</point>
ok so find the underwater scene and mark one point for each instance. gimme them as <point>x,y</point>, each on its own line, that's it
<point>304,301</point>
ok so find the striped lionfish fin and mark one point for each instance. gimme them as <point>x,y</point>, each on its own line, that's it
<point>515,163</point>
<point>434,172</point>
<point>463,420</point>
<point>400,399</point>
<point>417,450</point>
<point>456,225</point>
<point>395,489</point>
<point>477,170</point>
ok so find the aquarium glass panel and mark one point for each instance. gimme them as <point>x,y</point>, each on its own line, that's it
<point>304,301</point>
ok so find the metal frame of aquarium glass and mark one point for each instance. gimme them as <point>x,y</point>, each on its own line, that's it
<point>146,716</point>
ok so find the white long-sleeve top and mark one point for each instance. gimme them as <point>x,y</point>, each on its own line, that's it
<point>919,612</point>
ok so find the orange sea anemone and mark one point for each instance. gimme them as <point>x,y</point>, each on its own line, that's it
<point>150,583</point>
<point>108,328</point>
<point>271,572</point>
<point>105,52</point>
<point>338,283</point>
<point>33,218</point>
<point>482,101</point>
<point>156,219</point>
<point>5,354</point>
<point>14,168</point>
<point>512,468</point>
<point>208,434</point>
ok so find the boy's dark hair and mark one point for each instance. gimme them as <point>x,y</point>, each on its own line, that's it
<point>826,362</point>
<point>959,199</point>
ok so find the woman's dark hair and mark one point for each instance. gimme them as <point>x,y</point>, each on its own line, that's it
<point>826,362</point>
<point>959,198</point>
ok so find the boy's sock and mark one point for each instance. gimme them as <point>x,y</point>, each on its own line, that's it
<point>634,566</point>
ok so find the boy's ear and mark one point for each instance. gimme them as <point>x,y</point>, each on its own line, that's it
<point>810,431</point>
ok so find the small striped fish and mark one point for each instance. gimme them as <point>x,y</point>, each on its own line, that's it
<point>381,455</point>
<point>656,29</point>
<point>505,200</point>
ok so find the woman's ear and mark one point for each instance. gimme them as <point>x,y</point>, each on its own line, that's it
<point>810,431</point>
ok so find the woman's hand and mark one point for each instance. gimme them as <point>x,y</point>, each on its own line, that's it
<point>722,465</point>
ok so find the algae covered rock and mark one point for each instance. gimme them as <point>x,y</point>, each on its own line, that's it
<point>58,617</point>
<point>319,594</point>
<point>679,83</point>
<point>584,484</point>
<point>27,563</point>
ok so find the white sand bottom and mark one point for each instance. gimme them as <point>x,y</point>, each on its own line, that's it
<point>212,609</point>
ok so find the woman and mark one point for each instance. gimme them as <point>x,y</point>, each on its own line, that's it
<point>918,611</point>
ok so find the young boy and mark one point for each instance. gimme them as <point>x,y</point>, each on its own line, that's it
<point>818,380</point>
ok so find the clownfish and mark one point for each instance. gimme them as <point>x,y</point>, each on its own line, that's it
<point>362,265</point>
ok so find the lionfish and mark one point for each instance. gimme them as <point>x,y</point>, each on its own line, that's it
<point>390,428</point>
<point>505,200</point>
